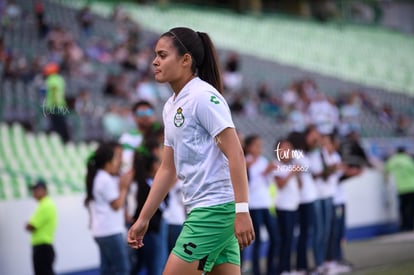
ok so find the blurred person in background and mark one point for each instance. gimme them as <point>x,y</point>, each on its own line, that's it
<point>42,225</point>
<point>287,178</point>
<point>404,126</point>
<point>401,167</point>
<point>12,13</point>
<point>3,51</point>
<point>114,122</point>
<point>331,173</point>
<point>174,214</point>
<point>353,155</point>
<point>55,106</point>
<point>84,104</point>
<point>308,196</point>
<point>146,124</point>
<point>323,113</point>
<point>147,127</point>
<point>42,27</point>
<point>105,200</point>
<point>335,255</point>
<point>146,89</point>
<point>320,168</point>
<point>85,20</point>
<point>350,114</point>
<point>232,77</point>
<point>258,170</point>
<point>153,255</point>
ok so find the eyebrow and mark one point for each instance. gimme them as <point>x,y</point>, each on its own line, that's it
<point>160,51</point>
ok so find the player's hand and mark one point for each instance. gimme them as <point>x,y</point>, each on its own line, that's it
<point>136,234</point>
<point>243,229</point>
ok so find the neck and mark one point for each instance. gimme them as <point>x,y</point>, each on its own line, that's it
<point>41,197</point>
<point>179,84</point>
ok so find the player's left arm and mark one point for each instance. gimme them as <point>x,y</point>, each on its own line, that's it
<point>228,142</point>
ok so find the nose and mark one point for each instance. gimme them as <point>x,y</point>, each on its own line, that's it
<point>155,62</point>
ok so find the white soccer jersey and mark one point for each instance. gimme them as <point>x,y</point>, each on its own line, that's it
<point>192,121</point>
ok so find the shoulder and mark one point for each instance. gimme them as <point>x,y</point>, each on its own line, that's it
<point>101,177</point>
<point>207,93</point>
<point>262,161</point>
<point>47,204</point>
<point>209,102</point>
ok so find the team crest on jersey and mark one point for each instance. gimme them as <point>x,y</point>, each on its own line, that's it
<point>179,118</point>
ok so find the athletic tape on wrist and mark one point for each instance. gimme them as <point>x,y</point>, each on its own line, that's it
<point>242,207</point>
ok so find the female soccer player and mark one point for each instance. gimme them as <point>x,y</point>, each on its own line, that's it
<point>203,150</point>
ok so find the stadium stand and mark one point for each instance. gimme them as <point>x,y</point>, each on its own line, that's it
<point>367,55</point>
<point>40,156</point>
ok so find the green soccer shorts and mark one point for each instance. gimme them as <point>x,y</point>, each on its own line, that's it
<point>208,237</point>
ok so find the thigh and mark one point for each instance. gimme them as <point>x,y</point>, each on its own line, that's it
<point>177,266</point>
<point>225,269</point>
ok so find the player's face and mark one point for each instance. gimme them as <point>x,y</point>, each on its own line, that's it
<point>167,63</point>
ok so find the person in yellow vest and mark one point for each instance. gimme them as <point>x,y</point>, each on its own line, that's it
<point>401,166</point>
<point>55,106</point>
<point>42,226</point>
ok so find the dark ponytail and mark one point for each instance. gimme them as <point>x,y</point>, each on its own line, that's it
<point>209,70</point>
<point>201,48</point>
<point>97,160</point>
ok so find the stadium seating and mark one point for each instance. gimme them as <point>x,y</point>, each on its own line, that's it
<point>25,157</point>
<point>364,55</point>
